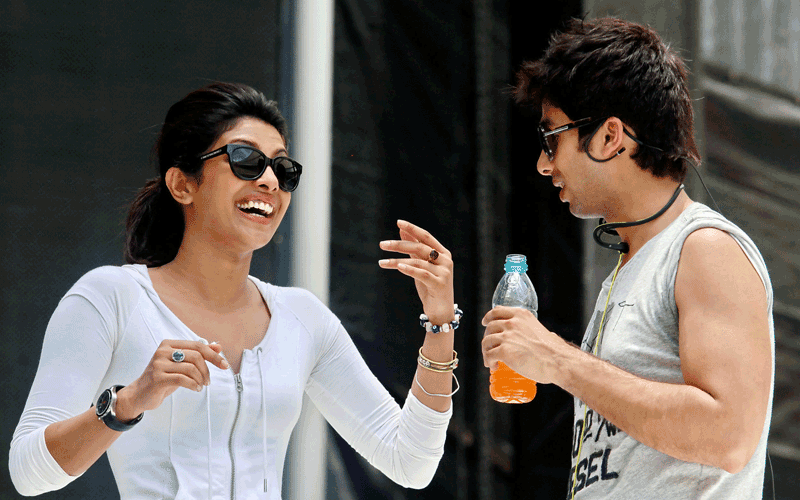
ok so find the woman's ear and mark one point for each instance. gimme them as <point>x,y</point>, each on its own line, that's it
<point>181,186</point>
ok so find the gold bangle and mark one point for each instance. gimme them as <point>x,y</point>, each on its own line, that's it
<point>436,366</point>
<point>422,363</point>
<point>455,356</point>
<point>439,363</point>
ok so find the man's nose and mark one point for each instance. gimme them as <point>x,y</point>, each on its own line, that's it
<point>544,165</point>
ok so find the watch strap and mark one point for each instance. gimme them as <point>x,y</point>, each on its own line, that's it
<point>109,417</point>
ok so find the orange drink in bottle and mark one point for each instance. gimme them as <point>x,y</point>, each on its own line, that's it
<point>514,290</point>
<point>508,386</point>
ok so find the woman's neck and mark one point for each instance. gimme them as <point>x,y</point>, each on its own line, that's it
<point>217,277</point>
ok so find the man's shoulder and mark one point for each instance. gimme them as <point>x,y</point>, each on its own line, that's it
<point>714,263</point>
<point>708,239</point>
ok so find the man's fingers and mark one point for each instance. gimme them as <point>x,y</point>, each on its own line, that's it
<point>493,328</point>
<point>499,312</point>
<point>490,340</point>
<point>489,346</point>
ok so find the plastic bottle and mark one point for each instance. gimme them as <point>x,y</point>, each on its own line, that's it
<point>514,290</point>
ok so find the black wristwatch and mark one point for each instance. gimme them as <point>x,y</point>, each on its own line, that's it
<point>106,404</point>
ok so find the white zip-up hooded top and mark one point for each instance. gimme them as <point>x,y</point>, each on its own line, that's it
<point>229,440</point>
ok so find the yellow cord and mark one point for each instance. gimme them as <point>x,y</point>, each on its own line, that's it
<point>596,345</point>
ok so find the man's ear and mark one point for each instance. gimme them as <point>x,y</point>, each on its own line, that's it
<point>181,186</point>
<point>612,137</point>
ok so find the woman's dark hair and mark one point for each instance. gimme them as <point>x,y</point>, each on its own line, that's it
<point>610,67</point>
<point>154,226</point>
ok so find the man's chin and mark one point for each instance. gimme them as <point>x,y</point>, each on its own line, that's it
<point>581,213</point>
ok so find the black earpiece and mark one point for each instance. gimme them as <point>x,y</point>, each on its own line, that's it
<point>607,159</point>
<point>609,228</point>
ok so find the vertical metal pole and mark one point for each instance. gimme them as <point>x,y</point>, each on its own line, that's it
<point>483,82</point>
<point>693,33</point>
<point>311,204</point>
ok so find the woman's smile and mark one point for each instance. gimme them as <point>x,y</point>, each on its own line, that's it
<point>258,207</point>
<point>259,212</point>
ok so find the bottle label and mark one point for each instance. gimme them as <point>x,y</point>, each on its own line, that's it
<point>516,267</point>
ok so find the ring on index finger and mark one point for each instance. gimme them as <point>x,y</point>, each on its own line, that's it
<point>178,355</point>
<point>433,256</point>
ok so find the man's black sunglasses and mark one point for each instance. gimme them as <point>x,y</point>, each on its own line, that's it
<point>549,143</point>
<point>248,163</point>
<point>548,140</point>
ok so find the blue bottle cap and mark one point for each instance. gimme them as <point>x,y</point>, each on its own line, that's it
<point>516,263</point>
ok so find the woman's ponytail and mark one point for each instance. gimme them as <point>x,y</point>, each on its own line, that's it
<point>154,227</point>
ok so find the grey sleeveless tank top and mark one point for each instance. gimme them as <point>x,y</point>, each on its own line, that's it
<point>641,336</point>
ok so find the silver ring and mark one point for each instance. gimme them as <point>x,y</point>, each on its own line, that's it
<point>178,355</point>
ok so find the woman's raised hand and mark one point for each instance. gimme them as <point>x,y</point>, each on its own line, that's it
<point>431,266</point>
<point>164,375</point>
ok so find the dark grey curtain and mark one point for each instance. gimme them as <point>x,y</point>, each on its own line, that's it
<point>84,87</point>
<point>407,124</point>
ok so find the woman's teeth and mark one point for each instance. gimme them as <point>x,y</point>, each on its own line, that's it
<point>256,207</point>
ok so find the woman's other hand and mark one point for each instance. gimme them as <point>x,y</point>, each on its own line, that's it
<point>431,266</point>
<point>164,375</point>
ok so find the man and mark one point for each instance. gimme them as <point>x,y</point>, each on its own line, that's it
<point>673,380</point>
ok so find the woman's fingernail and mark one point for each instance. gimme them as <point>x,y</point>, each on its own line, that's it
<point>199,388</point>
<point>225,364</point>
<point>383,262</point>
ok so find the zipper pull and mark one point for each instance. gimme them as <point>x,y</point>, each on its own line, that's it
<point>239,385</point>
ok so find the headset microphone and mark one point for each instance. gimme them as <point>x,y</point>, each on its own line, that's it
<point>607,159</point>
<point>609,228</point>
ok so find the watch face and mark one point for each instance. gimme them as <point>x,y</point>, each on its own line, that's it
<point>103,401</point>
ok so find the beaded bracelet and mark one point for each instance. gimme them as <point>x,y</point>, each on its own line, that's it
<point>436,366</point>
<point>424,323</point>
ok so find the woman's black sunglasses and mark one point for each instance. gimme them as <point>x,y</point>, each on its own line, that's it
<point>248,163</point>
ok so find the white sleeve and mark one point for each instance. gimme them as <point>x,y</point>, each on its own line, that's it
<point>406,445</point>
<point>76,353</point>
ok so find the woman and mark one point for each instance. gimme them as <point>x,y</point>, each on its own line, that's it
<point>197,369</point>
